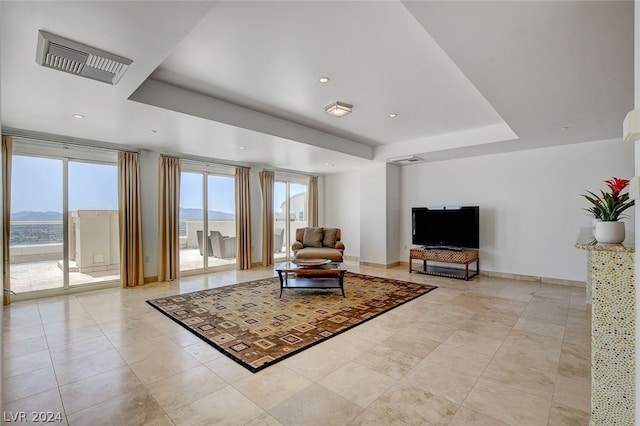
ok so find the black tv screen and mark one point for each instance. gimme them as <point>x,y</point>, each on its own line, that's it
<point>446,227</point>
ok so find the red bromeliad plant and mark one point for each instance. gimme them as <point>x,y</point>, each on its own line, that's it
<point>610,205</point>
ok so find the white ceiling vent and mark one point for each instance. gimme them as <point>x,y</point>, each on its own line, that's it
<point>410,159</point>
<point>76,58</point>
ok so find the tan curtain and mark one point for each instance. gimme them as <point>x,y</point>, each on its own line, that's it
<point>168,218</point>
<point>7,148</point>
<point>130,215</point>
<point>267,179</point>
<point>243,219</point>
<point>312,208</point>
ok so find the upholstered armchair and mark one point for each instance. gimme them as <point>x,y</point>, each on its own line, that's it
<point>318,243</point>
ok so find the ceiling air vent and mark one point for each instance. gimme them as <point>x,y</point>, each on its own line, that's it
<point>76,58</point>
<point>410,159</point>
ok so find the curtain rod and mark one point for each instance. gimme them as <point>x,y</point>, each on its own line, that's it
<point>82,143</point>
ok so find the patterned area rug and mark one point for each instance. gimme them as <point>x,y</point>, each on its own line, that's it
<point>249,323</point>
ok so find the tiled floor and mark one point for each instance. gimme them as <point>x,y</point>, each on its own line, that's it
<point>487,352</point>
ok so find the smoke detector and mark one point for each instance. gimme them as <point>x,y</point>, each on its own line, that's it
<point>76,58</point>
<point>409,159</point>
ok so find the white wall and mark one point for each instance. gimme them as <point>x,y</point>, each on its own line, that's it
<point>341,208</point>
<point>373,214</point>
<point>530,208</point>
<point>394,212</point>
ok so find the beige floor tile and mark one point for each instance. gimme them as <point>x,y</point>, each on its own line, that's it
<point>347,346</point>
<point>148,348</point>
<point>30,383</point>
<point>459,358</point>
<point>471,317</point>
<point>524,378</point>
<point>507,404</point>
<point>26,363</point>
<point>440,380</point>
<point>492,329</point>
<point>99,388</point>
<point>357,383</point>
<point>467,417</point>
<point>203,352</point>
<point>527,325</point>
<point>562,415</point>
<point>47,401</point>
<point>150,370</point>
<point>429,331</point>
<point>88,366</point>
<point>18,334</point>
<point>574,367</point>
<point>573,393</point>
<point>315,405</point>
<point>133,408</point>
<point>25,347</point>
<point>74,336</point>
<point>225,407</point>
<point>389,362</point>
<point>474,342</point>
<point>412,341</point>
<point>271,386</point>
<point>264,420</point>
<point>315,363</point>
<point>185,387</point>
<point>410,405</point>
<point>229,370</point>
<point>60,354</point>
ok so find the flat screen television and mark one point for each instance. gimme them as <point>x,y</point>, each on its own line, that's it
<point>446,227</point>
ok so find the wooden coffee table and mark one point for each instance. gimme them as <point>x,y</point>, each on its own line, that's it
<point>330,275</point>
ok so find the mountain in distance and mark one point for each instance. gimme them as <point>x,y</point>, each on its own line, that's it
<point>185,214</point>
<point>214,215</point>
<point>31,216</point>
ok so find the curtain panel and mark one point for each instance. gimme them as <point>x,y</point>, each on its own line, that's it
<point>130,217</point>
<point>267,181</point>
<point>168,218</point>
<point>312,207</point>
<point>7,149</point>
<point>243,219</point>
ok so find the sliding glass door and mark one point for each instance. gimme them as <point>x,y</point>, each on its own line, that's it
<point>207,220</point>
<point>63,223</point>
<point>36,224</point>
<point>290,213</point>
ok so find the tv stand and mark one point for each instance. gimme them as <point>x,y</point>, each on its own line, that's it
<point>447,248</point>
<point>461,257</point>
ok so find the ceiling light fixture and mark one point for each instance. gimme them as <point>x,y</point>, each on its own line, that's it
<point>153,131</point>
<point>241,147</point>
<point>324,79</point>
<point>78,116</point>
<point>393,115</point>
<point>338,109</point>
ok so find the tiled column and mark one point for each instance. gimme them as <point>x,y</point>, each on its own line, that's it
<point>612,335</point>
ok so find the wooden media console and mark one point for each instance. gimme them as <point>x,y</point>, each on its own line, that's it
<point>460,257</point>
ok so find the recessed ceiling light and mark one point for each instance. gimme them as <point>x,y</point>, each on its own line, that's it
<point>393,115</point>
<point>241,147</point>
<point>564,128</point>
<point>153,131</point>
<point>78,116</point>
<point>324,79</point>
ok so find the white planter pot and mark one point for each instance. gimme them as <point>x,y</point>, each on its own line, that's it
<point>609,232</point>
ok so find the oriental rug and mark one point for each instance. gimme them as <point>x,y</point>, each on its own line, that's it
<point>250,324</point>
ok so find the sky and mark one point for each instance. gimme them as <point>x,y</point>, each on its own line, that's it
<point>36,185</point>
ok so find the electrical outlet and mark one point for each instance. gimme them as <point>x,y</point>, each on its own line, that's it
<point>634,188</point>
